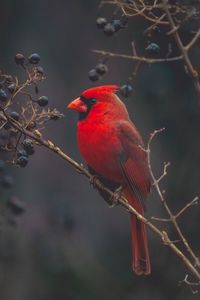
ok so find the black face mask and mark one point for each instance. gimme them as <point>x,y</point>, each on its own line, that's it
<point>89,103</point>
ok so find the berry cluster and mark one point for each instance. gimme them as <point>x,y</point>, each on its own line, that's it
<point>23,154</point>
<point>110,28</point>
<point>33,59</point>
<point>100,69</point>
<point>22,108</point>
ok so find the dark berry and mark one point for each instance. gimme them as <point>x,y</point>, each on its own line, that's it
<point>22,161</point>
<point>101,68</point>
<point>153,48</point>
<point>2,165</point>
<point>101,22</point>
<point>19,59</point>
<point>117,25</point>
<point>22,152</point>
<point>11,87</point>
<point>109,29</point>
<point>15,115</point>
<point>3,95</point>
<point>126,90</point>
<point>129,1</point>
<point>34,58</point>
<point>93,75</point>
<point>43,101</point>
<point>16,205</point>
<point>7,181</point>
<point>28,146</point>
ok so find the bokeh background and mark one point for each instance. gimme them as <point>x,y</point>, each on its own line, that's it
<point>69,244</point>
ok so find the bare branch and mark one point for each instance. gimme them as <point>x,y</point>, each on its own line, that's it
<point>184,50</point>
<point>166,165</point>
<point>162,199</point>
<point>161,219</point>
<point>138,58</point>
<point>195,201</point>
<point>190,284</point>
<point>193,41</point>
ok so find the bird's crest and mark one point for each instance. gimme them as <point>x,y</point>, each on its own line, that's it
<point>100,90</point>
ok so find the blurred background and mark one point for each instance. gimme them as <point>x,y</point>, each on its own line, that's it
<point>69,244</point>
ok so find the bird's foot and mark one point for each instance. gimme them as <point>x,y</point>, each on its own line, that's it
<point>114,200</point>
<point>93,180</point>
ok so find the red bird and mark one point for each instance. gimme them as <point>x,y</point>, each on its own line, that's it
<point>112,148</point>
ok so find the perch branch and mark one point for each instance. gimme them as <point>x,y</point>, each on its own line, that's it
<point>50,145</point>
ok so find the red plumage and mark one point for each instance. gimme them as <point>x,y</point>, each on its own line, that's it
<point>112,147</point>
<point>100,90</point>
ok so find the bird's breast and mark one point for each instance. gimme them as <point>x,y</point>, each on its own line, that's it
<point>100,147</point>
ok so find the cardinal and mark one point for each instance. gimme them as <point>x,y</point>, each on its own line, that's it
<point>113,150</point>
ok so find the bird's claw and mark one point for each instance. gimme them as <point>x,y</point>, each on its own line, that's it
<point>93,180</point>
<point>114,199</point>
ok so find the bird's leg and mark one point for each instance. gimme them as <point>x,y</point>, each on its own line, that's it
<point>113,200</point>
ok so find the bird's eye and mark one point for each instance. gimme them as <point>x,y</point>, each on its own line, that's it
<point>93,100</point>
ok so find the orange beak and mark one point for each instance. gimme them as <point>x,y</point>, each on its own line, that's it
<point>77,105</point>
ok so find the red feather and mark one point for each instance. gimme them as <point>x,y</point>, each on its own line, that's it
<point>140,254</point>
<point>100,91</point>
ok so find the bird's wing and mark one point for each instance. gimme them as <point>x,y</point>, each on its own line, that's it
<point>133,161</point>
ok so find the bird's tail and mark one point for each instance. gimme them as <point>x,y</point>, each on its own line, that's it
<point>140,253</point>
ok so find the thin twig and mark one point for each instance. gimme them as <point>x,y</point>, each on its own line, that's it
<point>138,58</point>
<point>168,210</point>
<point>166,165</point>
<point>193,41</point>
<point>161,219</point>
<point>195,201</point>
<point>191,284</point>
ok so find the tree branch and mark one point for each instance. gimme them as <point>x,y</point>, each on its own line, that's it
<point>162,199</point>
<point>184,50</point>
<point>138,58</point>
<point>36,136</point>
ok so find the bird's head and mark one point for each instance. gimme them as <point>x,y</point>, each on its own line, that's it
<point>91,97</point>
